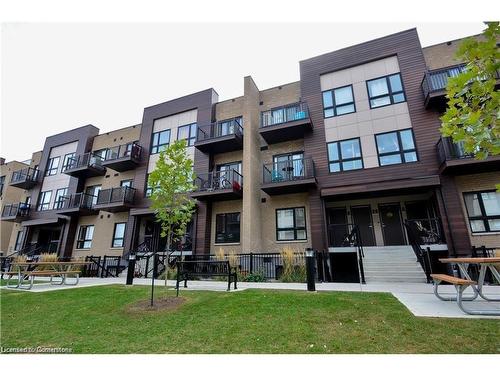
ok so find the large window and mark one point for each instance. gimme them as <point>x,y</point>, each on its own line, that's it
<point>344,155</point>
<point>187,132</point>
<point>385,91</point>
<point>160,142</point>
<point>227,228</point>
<point>93,193</point>
<point>483,210</point>
<point>19,240</point>
<point>396,147</point>
<point>118,235</point>
<point>85,235</point>
<point>338,101</point>
<point>2,183</point>
<point>60,198</point>
<point>291,224</point>
<point>44,201</point>
<point>67,161</point>
<point>226,127</point>
<point>52,166</point>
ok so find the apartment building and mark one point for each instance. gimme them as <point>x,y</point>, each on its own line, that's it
<point>354,142</point>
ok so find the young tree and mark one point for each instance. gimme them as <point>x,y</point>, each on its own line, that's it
<point>171,183</point>
<point>473,103</point>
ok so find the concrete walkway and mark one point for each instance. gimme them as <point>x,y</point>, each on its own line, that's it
<point>417,297</point>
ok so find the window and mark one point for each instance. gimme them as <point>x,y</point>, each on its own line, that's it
<point>483,210</point>
<point>52,166</point>
<point>93,191</point>
<point>160,142</point>
<point>338,101</point>
<point>385,91</point>
<point>344,155</point>
<point>396,147</point>
<point>187,132</point>
<point>60,198</point>
<point>126,183</point>
<point>149,189</point>
<point>118,235</point>
<point>67,161</point>
<point>291,224</point>
<point>19,240</point>
<point>288,167</point>
<point>2,183</point>
<point>100,154</point>
<point>44,201</point>
<point>226,127</point>
<point>227,228</point>
<point>85,235</point>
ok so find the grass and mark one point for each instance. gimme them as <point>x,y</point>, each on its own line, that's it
<point>97,320</point>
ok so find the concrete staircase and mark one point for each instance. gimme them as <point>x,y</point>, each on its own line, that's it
<point>392,264</point>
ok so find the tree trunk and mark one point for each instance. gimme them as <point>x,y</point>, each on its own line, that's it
<point>165,259</point>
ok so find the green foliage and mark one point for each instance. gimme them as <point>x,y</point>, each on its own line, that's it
<point>473,103</point>
<point>172,183</point>
<point>255,277</point>
<point>294,267</point>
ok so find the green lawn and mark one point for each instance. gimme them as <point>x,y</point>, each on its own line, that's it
<point>96,320</point>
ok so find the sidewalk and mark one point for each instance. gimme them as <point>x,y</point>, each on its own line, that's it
<point>417,297</point>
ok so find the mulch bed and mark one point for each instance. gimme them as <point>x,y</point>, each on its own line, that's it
<point>161,304</point>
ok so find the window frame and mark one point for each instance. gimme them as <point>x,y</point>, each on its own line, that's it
<point>159,145</point>
<point>341,159</point>
<point>295,228</point>
<point>334,105</point>
<point>148,190</point>
<point>18,245</point>
<point>40,205</point>
<point>66,160</point>
<point>225,214</point>
<point>2,184</point>
<point>130,182</point>
<point>401,151</point>
<point>122,239</point>
<point>192,137</point>
<point>390,93</point>
<point>58,202</point>
<point>50,166</point>
<point>80,243</point>
<point>484,217</point>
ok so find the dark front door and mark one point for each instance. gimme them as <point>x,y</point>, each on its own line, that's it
<point>362,217</point>
<point>390,219</point>
<point>337,226</point>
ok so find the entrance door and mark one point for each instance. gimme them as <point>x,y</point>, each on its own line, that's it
<point>390,219</point>
<point>337,226</point>
<point>362,217</point>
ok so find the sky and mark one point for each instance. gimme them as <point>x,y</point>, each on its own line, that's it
<point>58,76</point>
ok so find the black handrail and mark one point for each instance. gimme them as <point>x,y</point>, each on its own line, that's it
<point>78,200</point>
<point>429,230</point>
<point>132,150</point>
<point>16,209</point>
<point>85,160</point>
<point>284,114</point>
<point>25,174</point>
<point>415,241</point>
<point>449,150</point>
<point>288,170</point>
<point>219,129</point>
<point>220,180</point>
<point>122,194</point>
<point>348,235</point>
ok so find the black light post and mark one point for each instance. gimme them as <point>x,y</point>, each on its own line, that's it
<point>131,269</point>
<point>310,270</point>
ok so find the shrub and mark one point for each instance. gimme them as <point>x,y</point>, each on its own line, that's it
<point>256,277</point>
<point>294,267</point>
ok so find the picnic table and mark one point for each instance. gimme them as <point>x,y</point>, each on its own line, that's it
<point>30,270</point>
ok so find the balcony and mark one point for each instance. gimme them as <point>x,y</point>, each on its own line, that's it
<point>218,137</point>
<point>123,158</point>
<point>16,212</point>
<point>288,177</point>
<point>285,123</point>
<point>115,199</point>
<point>76,204</point>
<point>24,178</point>
<point>216,186</point>
<point>85,165</point>
<point>454,160</point>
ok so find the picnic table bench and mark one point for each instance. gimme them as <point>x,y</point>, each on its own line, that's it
<point>185,269</point>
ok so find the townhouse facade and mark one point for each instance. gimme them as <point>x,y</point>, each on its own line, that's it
<point>355,141</point>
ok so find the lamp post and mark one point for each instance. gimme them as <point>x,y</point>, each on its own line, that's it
<point>310,269</point>
<point>131,269</point>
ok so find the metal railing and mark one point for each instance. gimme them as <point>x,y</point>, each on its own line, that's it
<point>221,180</point>
<point>85,160</point>
<point>288,170</point>
<point>25,174</point>
<point>348,235</point>
<point>132,150</point>
<point>436,80</point>
<point>219,129</point>
<point>429,231</point>
<point>448,150</point>
<point>78,200</point>
<point>283,114</point>
<point>16,209</point>
<point>422,254</point>
<point>123,194</point>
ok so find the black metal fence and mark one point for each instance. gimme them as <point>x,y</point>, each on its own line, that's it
<point>106,266</point>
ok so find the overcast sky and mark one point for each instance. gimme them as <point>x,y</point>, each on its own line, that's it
<point>56,77</point>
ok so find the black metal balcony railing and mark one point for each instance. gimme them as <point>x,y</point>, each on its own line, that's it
<point>132,150</point>
<point>16,210</point>
<point>123,194</point>
<point>429,231</point>
<point>288,170</point>
<point>76,201</point>
<point>436,80</point>
<point>219,129</point>
<point>221,180</point>
<point>284,114</point>
<point>85,160</point>
<point>448,150</point>
<point>26,174</point>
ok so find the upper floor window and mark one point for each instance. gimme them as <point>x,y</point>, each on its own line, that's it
<point>187,132</point>
<point>344,155</point>
<point>287,167</point>
<point>226,127</point>
<point>396,147</point>
<point>85,235</point>
<point>2,183</point>
<point>339,101</point>
<point>52,166</point>
<point>44,201</point>
<point>385,91</point>
<point>93,192</point>
<point>60,198</point>
<point>483,210</point>
<point>126,183</point>
<point>160,142</point>
<point>101,154</point>
<point>67,161</point>
<point>149,188</point>
<point>227,228</point>
<point>291,224</point>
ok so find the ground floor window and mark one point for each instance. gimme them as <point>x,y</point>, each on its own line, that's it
<point>118,235</point>
<point>483,211</point>
<point>227,228</point>
<point>19,240</point>
<point>291,224</point>
<point>85,235</point>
